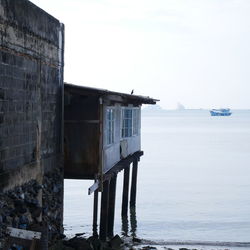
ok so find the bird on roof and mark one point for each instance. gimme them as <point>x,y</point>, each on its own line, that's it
<point>132,92</point>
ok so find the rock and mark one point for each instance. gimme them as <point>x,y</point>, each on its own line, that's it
<point>95,243</point>
<point>23,220</point>
<point>116,242</point>
<point>148,247</point>
<point>7,220</point>
<point>62,236</point>
<point>18,203</point>
<point>21,210</point>
<point>78,243</point>
<point>137,240</point>
<point>79,234</point>
<point>15,222</point>
<point>55,189</point>
<point>36,212</point>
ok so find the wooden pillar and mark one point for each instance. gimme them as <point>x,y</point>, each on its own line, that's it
<point>95,213</point>
<point>104,211</point>
<point>133,184</point>
<point>125,191</point>
<point>111,213</point>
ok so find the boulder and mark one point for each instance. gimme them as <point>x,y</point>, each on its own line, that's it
<point>116,242</point>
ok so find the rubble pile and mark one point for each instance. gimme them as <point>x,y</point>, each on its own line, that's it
<point>53,204</point>
<point>20,207</point>
<point>33,206</point>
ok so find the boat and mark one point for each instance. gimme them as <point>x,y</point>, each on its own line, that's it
<point>220,112</point>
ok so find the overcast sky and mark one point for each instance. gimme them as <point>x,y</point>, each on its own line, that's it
<point>196,52</point>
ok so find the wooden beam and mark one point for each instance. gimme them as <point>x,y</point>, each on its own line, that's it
<point>94,187</point>
<point>104,211</point>
<point>125,191</point>
<point>122,165</point>
<point>95,213</point>
<point>134,184</point>
<point>111,214</point>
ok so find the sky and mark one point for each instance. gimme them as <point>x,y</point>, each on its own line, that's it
<point>193,52</point>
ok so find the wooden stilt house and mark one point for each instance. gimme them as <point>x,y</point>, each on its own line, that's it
<point>102,136</point>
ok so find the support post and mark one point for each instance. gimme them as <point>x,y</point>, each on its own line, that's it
<point>125,191</point>
<point>111,214</point>
<point>95,213</point>
<point>134,184</point>
<point>104,211</point>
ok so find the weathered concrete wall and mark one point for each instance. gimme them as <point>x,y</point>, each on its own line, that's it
<point>31,95</point>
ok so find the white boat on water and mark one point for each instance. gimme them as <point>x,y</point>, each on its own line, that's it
<point>220,112</point>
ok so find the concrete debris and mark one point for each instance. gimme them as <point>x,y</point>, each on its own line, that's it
<point>23,206</point>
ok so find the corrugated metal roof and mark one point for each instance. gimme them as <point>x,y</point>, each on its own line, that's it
<point>105,92</point>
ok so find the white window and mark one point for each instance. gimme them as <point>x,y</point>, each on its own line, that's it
<point>130,122</point>
<point>126,122</point>
<point>110,119</point>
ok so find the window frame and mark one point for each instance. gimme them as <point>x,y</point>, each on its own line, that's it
<point>110,125</point>
<point>133,123</point>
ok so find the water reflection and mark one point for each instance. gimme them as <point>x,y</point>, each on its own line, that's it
<point>133,223</point>
<point>125,225</point>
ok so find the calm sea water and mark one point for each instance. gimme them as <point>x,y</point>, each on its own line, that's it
<point>193,180</point>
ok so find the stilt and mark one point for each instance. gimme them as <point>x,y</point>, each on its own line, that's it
<point>125,191</point>
<point>111,213</point>
<point>104,211</point>
<point>133,184</point>
<point>95,213</point>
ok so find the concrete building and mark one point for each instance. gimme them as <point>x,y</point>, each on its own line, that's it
<point>31,91</point>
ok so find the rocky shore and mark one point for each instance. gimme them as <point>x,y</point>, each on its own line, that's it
<point>117,243</point>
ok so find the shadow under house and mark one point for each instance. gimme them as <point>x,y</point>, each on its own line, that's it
<point>102,136</point>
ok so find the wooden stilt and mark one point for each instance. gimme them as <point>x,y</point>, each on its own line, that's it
<point>125,191</point>
<point>104,211</point>
<point>95,213</point>
<point>111,215</point>
<point>133,184</point>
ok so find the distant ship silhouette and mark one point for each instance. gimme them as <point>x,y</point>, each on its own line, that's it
<point>180,106</point>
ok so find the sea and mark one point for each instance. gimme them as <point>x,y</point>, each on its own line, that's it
<point>193,183</point>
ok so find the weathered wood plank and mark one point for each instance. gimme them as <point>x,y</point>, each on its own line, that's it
<point>94,187</point>
<point>104,211</point>
<point>23,234</point>
<point>111,212</point>
<point>125,191</point>
<point>95,213</point>
<point>134,184</point>
<point>122,165</point>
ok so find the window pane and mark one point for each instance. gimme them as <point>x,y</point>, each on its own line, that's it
<point>127,122</point>
<point>110,125</point>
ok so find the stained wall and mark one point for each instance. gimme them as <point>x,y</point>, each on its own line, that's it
<point>31,114</point>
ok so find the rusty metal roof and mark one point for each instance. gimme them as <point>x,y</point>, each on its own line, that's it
<point>78,89</point>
